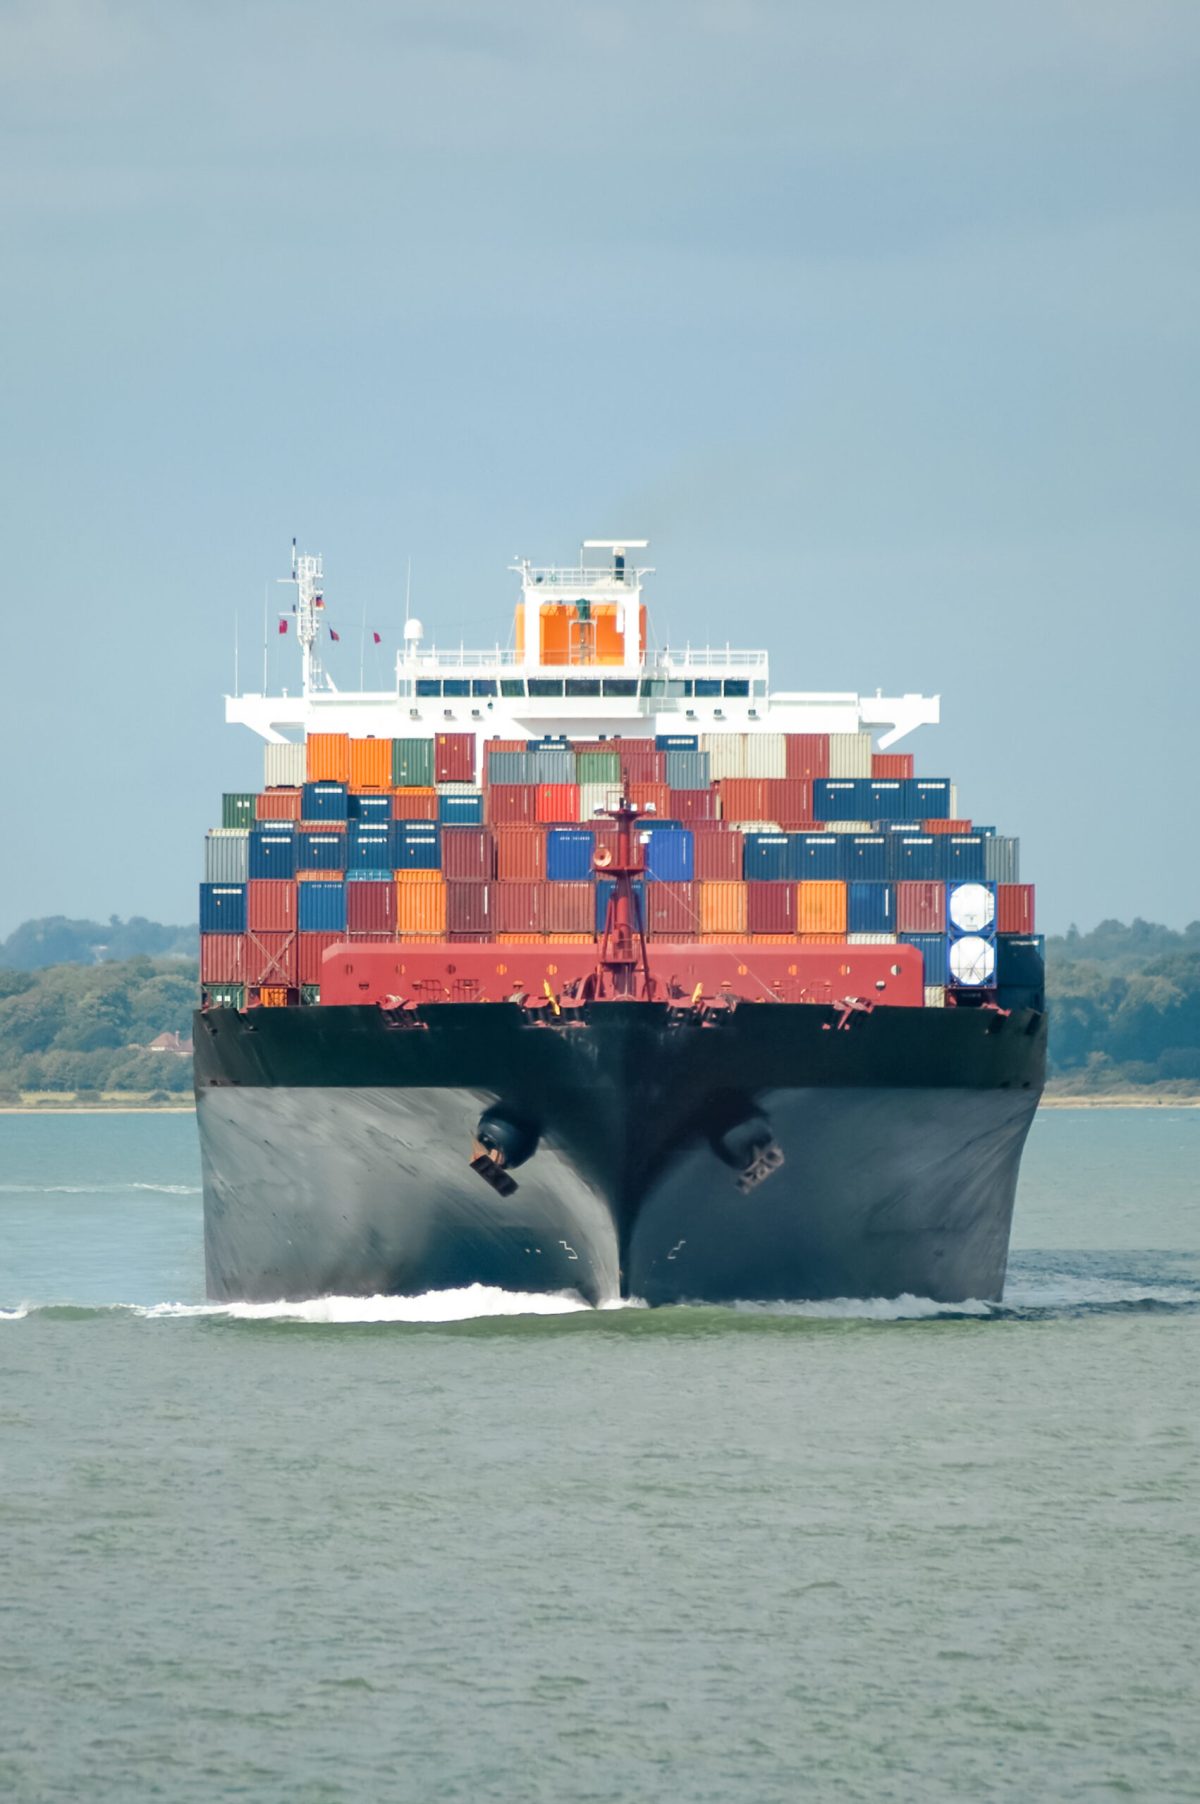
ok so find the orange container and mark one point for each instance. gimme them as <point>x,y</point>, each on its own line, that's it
<point>820,939</point>
<point>724,939</point>
<point>653,796</point>
<point>722,908</point>
<point>327,758</point>
<point>571,939</point>
<point>277,805</point>
<point>745,799</point>
<point>520,939</point>
<point>945,826</point>
<point>888,766</point>
<point>420,907</point>
<point>419,876</point>
<point>414,804</point>
<point>821,907</point>
<point>772,939</point>
<point>370,764</point>
<point>557,802</point>
<point>271,996</point>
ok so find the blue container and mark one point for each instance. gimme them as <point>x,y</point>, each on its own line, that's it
<point>768,857</point>
<point>841,799</point>
<point>930,798</point>
<point>934,948</point>
<point>887,800</point>
<point>687,770</point>
<point>669,855</point>
<point>963,857</point>
<point>864,855</point>
<point>321,907</point>
<point>1021,960</point>
<point>552,766</point>
<point>373,807</point>
<point>604,889</point>
<point>273,849</point>
<point>871,908</point>
<point>369,846</point>
<point>676,742</point>
<point>816,857</point>
<point>510,767</point>
<point>914,857</point>
<point>975,916</point>
<point>416,846</point>
<point>222,908</point>
<point>324,802</point>
<point>461,808</point>
<point>569,854</point>
<point>318,850</point>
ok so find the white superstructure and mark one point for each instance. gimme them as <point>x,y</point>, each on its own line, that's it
<point>581,668</point>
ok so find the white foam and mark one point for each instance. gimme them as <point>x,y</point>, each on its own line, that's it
<point>476,1300</point>
<point>870,1309</point>
<point>15,1315</point>
<point>97,1189</point>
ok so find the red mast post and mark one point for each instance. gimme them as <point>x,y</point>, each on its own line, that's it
<point>622,966</point>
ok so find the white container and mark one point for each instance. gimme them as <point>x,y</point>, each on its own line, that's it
<point>726,754</point>
<point>870,939</point>
<point>766,755</point>
<point>954,814</point>
<point>757,826</point>
<point>935,995</point>
<point>849,827</point>
<point>849,754</point>
<point>596,795</point>
<point>458,789</point>
<point>283,766</point>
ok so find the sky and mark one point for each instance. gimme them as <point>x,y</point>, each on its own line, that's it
<point>880,322</point>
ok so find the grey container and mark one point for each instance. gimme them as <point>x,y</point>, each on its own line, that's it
<point>1002,859</point>
<point>687,770</point>
<point>557,766</point>
<point>284,766</point>
<point>849,754</point>
<point>511,767</point>
<point>227,855</point>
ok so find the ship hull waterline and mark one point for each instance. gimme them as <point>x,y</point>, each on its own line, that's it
<point>336,1148</point>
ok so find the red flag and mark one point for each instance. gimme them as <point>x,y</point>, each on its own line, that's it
<point>334,635</point>
<point>283,625</point>
<point>377,639</point>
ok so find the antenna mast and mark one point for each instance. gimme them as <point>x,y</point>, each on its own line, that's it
<point>308,578</point>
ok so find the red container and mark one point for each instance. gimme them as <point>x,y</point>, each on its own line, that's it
<point>520,854</point>
<point>277,805</point>
<point>557,802</point>
<point>414,804</point>
<point>745,799</point>
<point>770,908</point>
<point>371,907</point>
<point>606,835</point>
<point>569,908</point>
<point>920,908</point>
<point>789,801</point>
<point>499,745</point>
<point>654,798</point>
<point>511,804</point>
<point>519,907</point>
<point>468,854</point>
<point>807,754</point>
<point>1014,908</point>
<point>467,907</point>
<point>886,766</point>
<point>270,905</point>
<point>222,958</point>
<point>672,911</point>
<point>640,766</point>
<point>692,804</point>
<point>718,855</point>
<point>945,826</point>
<point>271,959</point>
<point>454,758</point>
<point>635,748</point>
<point>310,950</point>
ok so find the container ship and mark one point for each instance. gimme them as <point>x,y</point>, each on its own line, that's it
<point>587,965</point>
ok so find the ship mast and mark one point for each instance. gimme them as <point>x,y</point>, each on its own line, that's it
<point>621,958</point>
<point>308,578</point>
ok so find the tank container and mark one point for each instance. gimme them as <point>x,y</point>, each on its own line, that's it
<point>971,909</point>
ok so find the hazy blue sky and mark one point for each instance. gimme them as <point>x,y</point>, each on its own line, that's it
<point>880,320</point>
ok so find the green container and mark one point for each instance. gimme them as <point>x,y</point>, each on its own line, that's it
<point>412,763</point>
<point>597,767</point>
<point>310,994</point>
<point>226,995</point>
<point>238,811</point>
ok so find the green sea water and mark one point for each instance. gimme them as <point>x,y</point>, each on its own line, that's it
<point>450,1548</point>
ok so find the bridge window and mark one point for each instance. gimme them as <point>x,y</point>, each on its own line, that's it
<point>456,686</point>
<point>483,686</point>
<point>583,686</point>
<point>706,686</point>
<point>429,686</point>
<point>512,686</point>
<point>545,686</point>
<point>737,686</point>
<point>620,686</point>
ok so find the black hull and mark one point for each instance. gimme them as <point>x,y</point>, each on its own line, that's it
<point>336,1145</point>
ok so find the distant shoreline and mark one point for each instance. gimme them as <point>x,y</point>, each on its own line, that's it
<point>1117,1100</point>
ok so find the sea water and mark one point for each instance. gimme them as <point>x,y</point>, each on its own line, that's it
<point>485,1547</point>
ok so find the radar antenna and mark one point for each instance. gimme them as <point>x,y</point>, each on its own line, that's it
<point>310,603</point>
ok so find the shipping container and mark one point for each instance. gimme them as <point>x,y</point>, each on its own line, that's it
<point>887,799</point>
<point>227,855</point>
<point>870,908</point>
<point>726,939</point>
<point>789,800</point>
<point>468,907</point>
<point>321,849</point>
<point>931,798</point>
<point>372,806</point>
<point>768,858</point>
<point>921,907</point>
<point>327,758</point>
<point>843,799</point>
<point>568,907</point>
<point>421,906</point>
<point>271,959</point>
<point>669,855</point>
<point>569,852</point>
<point>892,764</point>
<point>745,799</point>
<point>671,911</point>
<point>817,856</point>
<point>596,797</point>
<point>222,957</point>
<point>520,854</point>
<point>688,805</point>
<point>933,948</point>
<point>935,995</point>
<point>718,855</point>
<point>820,907</point>
<point>726,755</point>
<point>552,766</point>
<point>766,755</point>
<point>771,907</point>
<point>238,810</point>
<point>850,755</point>
<point>970,909</point>
<point>519,907</point>
<point>864,856</point>
<point>598,767</point>
<point>320,908</point>
<point>947,826</point>
<point>721,907</point>
<point>1021,962</point>
<point>461,809</point>
<point>1014,908</point>
<point>492,746</point>
<point>639,766</point>
<point>843,827</point>
<point>454,758</point>
<point>604,888</point>
<point>557,802</point>
<point>807,755</point>
<point>270,905</point>
<point>962,857</point>
<point>772,939</point>
<point>468,855</point>
<point>321,802</point>
<point>370,847</point>
<point>651,798</point>
<point>284,766</point>
<point>412,764</point>
<point>1001,858</point>
<point>870,939</point>
<point>277,805</point>
<point>273,850</point>
<point>676,742</point>
<point>510,805</point>
<point>416,846</point>
<point>371,906</point>
<point>687,770</point>
<point>370,763</point>
<point>225,995</point>
<point>914,856</point>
